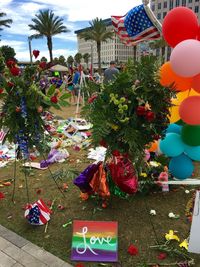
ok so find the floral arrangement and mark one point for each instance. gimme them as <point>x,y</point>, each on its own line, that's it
<point>23,103</point>
<point>131,112</point>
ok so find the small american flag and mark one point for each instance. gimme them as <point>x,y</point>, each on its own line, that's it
<point>138,25</point>
<point>2,135</point>
<point>37,213</point>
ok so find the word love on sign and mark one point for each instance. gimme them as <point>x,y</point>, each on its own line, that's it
<point>95,241</point>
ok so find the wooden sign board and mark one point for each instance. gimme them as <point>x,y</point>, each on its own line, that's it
<point>194,242</point>
<point>95,241</point>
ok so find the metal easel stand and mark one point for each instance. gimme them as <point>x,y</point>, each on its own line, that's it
<point>82,83</point>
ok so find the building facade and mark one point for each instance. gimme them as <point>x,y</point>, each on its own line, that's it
<point>161,7</point>
<point>113,49</point>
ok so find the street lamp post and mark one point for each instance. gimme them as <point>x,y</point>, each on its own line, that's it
<point>92,59</point>
<point>30,50</point>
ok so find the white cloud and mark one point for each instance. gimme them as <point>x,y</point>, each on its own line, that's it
<point>18,45</point>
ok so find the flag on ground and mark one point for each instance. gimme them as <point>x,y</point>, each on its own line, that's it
<point>37,213</point>
<point>138,25</point>
<point>2,135</point>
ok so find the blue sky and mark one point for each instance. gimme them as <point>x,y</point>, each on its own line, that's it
<point>76,15</point>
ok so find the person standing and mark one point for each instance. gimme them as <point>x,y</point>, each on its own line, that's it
<point>110,73</point>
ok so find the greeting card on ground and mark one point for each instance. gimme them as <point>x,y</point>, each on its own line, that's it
<point>95,241</point>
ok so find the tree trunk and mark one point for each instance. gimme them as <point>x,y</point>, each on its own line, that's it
<point>99,56</point>
<point>50,47</point>
<point>135,52</point>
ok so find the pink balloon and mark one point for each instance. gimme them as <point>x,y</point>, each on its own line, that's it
<point>196,83</point>
<point>185,58</point>
<point>189,110</point>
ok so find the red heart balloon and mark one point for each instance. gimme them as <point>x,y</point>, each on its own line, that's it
<point>123,174</point>
<point>36,53</point>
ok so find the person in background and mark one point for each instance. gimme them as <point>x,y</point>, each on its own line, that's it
<point>76,84</point>
<point>44,83</point>
<point>97,77</point>
<point>70,86</point>
<point>110,73</point>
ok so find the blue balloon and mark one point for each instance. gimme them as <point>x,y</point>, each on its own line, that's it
<point>172,145</point>
<point>193,152</point>
<point>174,128</point>
<point>181,167</point>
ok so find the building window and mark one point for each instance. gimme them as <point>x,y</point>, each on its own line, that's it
<point>196,9</point>
<point>159,5</point>
<point>153,7</point>
<point>165,4</point>
<point>196,0</point>
<point>164,14</point>
<point>159,16</point>
<point>183,2</point>
<point>190,1</point>
<point>171,4</point>
<point>177,2</point>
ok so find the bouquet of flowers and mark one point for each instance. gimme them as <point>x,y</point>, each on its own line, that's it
<point>22,103</point>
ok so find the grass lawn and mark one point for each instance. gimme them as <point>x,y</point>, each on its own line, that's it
<point>136,226</point>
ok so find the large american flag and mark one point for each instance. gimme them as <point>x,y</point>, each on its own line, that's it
<point>138,25</point>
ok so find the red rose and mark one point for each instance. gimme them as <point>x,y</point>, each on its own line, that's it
<point>2,195</point>
<point>10,63</point>
<point>162,256</point>
<point>17,109</point>
<point>54,99</point>
<point>150,116</point>
<point>1,90</point>
<point>141,111</point>
<point>10,84</point>
<point>36,53</point>
<point>43,65</point>
<point>116,153</point>
<point>91,99</point>
<point>103,143</point>
<point>14,71</point>
<point>132,250</point>
<point>80,265</point>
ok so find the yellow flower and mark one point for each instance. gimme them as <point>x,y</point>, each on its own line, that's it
<point>184,244</point>
<point>143,174</point>
<point>171,236</point>
<point>114,127</point>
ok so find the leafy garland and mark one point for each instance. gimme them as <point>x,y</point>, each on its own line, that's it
<point>22,104</point>
<point>132,111</point>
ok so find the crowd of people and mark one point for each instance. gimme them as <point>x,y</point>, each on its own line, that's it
<point>72,78</point>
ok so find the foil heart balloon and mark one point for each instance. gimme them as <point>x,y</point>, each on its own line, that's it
<point>123,174</point>
<point>36,53</point>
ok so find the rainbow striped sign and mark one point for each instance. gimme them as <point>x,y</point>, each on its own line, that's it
<point>95,241</point>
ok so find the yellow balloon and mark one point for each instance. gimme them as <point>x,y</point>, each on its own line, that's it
<point>174,110</point>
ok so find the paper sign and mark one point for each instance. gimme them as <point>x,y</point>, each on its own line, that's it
<point>95,241</point>
<point>194,243</point>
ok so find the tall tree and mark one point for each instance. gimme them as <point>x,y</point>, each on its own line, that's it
<point>7,52</point>
<point>44,59</point>
<point>62,60</point>
<point>4,22</point>
<point>78,58</point>
<point>70,61</point>
<point>86,57</point>
<point>98,33</point>
<point>46,24</point>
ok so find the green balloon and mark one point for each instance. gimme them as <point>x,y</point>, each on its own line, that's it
<point>191,135</point>
<point>180,122</point>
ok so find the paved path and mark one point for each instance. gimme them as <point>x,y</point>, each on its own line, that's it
<point>16,251</point>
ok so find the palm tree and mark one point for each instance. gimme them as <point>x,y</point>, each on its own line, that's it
<point>159,44</point>
<point>4,22</point>
<point>78,58</point>
<point>98,33</point>
<point>86,57</point>
<point>46,24</point>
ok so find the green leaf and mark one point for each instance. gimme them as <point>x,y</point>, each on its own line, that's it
<point>51,90</point>
<point>2,95</point>
<point>65,96</point>
<point>56,106</point>
<point>63,103</point>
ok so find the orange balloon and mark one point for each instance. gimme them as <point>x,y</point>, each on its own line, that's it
<point>153,146</point>
<point>169,77</point>
<point>196,83</point>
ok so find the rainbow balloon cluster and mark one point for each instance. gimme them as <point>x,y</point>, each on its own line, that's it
<point>181,31</point>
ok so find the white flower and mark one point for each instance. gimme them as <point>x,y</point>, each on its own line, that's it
<point>187,191</point>
<point>152,212</point>
<point>171,215</point>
